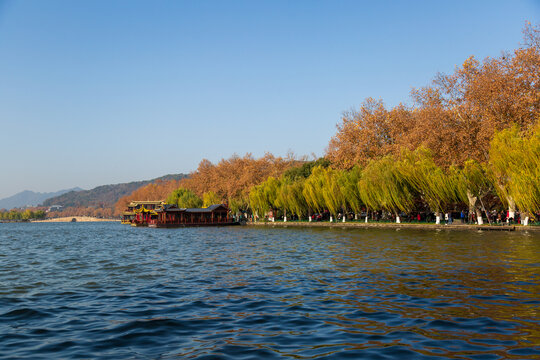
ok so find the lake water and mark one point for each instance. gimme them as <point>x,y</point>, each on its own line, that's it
<point>104,290</point>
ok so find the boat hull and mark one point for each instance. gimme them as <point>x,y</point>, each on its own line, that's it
<point>235,223</point>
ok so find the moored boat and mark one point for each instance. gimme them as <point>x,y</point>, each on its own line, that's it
<point>158,214</point>
<point>140,213</point>
<point>173,216</point>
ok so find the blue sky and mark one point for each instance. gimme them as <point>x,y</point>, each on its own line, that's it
<point>100,92</point>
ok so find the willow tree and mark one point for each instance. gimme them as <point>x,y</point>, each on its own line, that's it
<point>184,198</point>
<point>210,198</point>
<point>291,198</point>
<point>238,204</point>
<point>264,197</point>
<point>437,187</point>
<point>348,182</point>
<point>313,189</point>
<point>515,166</point>
<point>334,200</point>
<point>382,186</point>
<point>476,185</point>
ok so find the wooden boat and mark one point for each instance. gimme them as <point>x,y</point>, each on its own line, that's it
<point>139,213</point>
<point>158,214</point>
<point>173,216</point>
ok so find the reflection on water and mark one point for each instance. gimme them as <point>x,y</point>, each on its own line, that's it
<point>110,291</point>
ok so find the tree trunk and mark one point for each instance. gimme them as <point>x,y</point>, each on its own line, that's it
<point>398,220</point>
<point>480,221</point>
<point>284,215</point>
<point>511,208</point>
<point>330,218</point>
<point>473,207</point>
<point>437,218</point>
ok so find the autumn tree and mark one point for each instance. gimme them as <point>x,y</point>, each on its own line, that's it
<point>362,135</point>
<point>232,179</point>
<point>455,116</point>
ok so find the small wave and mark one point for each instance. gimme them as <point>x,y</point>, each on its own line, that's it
<point>24,314</point>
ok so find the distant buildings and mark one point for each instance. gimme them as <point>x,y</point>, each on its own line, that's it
<point>54,208</point>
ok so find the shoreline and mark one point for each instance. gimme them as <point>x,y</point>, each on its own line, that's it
<point>77,218</point>
<point>360,225</point>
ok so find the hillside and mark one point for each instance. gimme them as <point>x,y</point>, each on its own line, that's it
<point>104,196</point>
<point>30,198</point>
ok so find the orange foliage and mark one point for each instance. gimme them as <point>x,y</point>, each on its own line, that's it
<point>231,179</point>
<point>455,117</point>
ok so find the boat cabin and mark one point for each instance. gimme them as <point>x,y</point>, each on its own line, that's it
<point>173,216</point>
<point>139,213</point>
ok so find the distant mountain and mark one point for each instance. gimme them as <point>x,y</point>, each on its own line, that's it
<point>105,195</point>
<point>30,198</point>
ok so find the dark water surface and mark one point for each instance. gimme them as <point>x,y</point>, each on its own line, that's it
<point>104,290</point>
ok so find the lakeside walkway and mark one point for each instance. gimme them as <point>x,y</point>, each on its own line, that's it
<point>420,226</point>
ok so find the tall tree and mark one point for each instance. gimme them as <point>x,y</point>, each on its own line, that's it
<point>313,189</point>
<point>515,165</point>
<point>439,188</point>
<point>383,187</point>
<point>348,183</point>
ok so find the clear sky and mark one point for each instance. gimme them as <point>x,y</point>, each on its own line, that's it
<point>101,92</point>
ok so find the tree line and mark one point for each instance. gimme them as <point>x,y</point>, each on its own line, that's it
<point>21,215</point>
<point>470,139</point>
<point>413,182</point>
<point>229,181</point>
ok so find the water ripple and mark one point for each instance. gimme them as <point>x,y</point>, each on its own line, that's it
<point>109,291</point>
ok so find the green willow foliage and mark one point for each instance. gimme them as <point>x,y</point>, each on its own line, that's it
<point>292,198</point>
<point>437,187</point>
<point>331,191</point>
<point>515,167</point>
<point>22,215</point>
<point>348,183</point>
<point>184,198</point>
<point>382,186</point>
<point>313,189</point>
<point>475,181</point>
<point>210,198</point>
<point>264,197</point>
<point>401,184</point>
